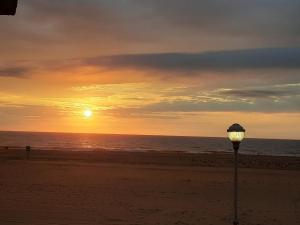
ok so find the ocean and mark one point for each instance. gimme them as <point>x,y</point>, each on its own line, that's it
<point>118,142</point>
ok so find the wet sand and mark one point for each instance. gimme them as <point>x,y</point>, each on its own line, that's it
<point>145,189</point>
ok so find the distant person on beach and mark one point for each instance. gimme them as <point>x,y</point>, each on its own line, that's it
<point>28,148</point>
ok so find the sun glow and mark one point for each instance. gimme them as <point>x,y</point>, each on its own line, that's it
<point>87,113</point>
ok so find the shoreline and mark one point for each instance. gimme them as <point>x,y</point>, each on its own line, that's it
<point>164,158</point>
<point>151,135</point>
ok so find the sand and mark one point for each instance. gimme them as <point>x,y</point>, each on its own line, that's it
<point>145,189</point>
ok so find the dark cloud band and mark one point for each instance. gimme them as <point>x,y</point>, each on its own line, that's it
<point>14,71</point>
<point>265,58</point>
<point>259,93</point>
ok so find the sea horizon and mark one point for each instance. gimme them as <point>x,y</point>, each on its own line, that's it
<point>136,134</point>
<point>137,142</point>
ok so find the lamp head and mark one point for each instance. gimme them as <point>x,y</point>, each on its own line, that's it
<point>236,133</point>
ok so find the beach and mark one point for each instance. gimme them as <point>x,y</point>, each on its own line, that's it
<point>145,188</point>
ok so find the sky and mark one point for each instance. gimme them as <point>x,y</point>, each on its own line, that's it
<point>169,67</point>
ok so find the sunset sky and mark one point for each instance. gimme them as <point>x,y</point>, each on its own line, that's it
<point>170,67</point>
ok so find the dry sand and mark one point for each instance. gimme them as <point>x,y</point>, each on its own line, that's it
<point>145,189</point>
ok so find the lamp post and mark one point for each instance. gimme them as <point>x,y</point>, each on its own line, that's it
<point>236,134</point>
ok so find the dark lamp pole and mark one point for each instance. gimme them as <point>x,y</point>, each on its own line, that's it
<point>236,134</point>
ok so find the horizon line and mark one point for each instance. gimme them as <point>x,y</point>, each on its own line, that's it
<point>134,134</point>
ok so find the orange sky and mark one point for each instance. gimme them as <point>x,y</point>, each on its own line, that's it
<point>143,72</point>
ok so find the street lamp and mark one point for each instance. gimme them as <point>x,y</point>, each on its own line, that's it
<point>236,134</point>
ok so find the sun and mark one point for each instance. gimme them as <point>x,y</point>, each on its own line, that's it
<point>87,113</point>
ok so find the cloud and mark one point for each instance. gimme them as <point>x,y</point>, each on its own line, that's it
<point>274,91</point>
<point>213,69</point>
<point>256,18</point>
<point>256,93</point>
<point>184,106</point>
<point>106,26</point>
<point>14,71</point>
<point>266,99</point>
<point>245,59</point>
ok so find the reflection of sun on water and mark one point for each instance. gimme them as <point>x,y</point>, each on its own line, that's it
<point>87,113</point>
